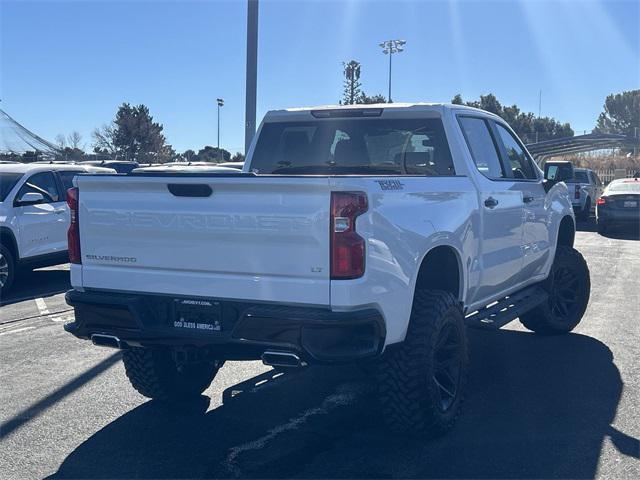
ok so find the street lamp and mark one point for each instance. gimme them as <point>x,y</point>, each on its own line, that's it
<point>389,47</point>
<point>220,104</point>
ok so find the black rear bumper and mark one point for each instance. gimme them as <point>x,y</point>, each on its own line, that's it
<point>244,330</point>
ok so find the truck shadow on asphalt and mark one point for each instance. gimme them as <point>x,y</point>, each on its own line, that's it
<point>38,283</point>
<point>537,407</point>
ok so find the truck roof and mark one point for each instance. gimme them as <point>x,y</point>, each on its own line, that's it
<point>304,112</point>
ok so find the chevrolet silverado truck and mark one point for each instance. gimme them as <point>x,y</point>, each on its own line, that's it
<point>373,234</point>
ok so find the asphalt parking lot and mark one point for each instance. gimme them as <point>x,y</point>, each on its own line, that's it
<point>537,407</point>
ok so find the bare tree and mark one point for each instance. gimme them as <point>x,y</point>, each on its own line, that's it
<point>103,139</point>
<point>61,140</point>
<point>74,139</point>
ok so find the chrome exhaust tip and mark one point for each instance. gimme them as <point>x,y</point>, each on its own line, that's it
<point>282,359</point>
<point>108,341</point>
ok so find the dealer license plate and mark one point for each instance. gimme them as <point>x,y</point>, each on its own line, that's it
<point>197,315</point>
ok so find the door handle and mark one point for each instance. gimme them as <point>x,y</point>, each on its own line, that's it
<point>528,199</point>
<point>490,202</point>
<point>59,211</point>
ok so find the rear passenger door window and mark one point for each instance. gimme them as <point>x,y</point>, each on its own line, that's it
<point>516,156</point>
<point>482,146</point>
<point>43,183</point>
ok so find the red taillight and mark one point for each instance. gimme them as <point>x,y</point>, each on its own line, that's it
<point>577,194</point>
<point>347,247</point>
<point>73,234</point>
<point>601,201</point>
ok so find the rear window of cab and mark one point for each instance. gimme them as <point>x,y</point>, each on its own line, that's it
<point>349,146</point>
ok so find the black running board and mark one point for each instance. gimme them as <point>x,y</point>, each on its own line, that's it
<point>498,314</point>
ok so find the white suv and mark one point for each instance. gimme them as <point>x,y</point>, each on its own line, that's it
<point>585,189</point>
<point>34,216</point>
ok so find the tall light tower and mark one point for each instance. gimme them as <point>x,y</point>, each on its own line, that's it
<point>252,73</point>
<point>220,104</point>
<point>389,47</point>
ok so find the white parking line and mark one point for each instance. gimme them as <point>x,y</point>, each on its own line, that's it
<point>346,397</point>
<point>44,312</point>
<point>17,330</point>
<point>42,307</point>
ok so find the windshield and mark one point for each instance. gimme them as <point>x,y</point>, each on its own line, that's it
<point>348,146</point>
<point>624,187</point>
<point>7,182</point>
<point>579,177</point>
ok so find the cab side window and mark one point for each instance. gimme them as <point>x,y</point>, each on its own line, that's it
<point>483,149</point>
<point>517,158</point>
<point>43,183</point>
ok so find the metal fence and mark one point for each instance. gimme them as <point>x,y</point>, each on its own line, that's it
<point>607,175</point>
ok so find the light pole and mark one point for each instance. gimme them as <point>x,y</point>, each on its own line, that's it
<point>220,104</point>
<point>389,47</point>
<point>252,74</point>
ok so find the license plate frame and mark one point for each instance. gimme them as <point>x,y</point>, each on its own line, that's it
<point>197,315</point>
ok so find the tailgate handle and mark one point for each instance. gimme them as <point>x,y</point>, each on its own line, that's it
<point>190,190</point>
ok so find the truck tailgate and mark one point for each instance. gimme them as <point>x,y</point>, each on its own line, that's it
<point>252,238</point>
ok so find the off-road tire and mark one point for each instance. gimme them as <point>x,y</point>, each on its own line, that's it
<point>154,373</point>
<point>568,284</point>
<point>8,268</point>
<point>410,397</point>
<point>585,213</point>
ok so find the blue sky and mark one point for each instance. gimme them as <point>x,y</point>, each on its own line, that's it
<point>67,65</point>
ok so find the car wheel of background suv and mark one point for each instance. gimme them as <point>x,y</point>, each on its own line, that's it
<point>7,269</point>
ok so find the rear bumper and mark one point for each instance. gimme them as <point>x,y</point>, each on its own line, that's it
<point>247,330</point>
<point>618,215</point>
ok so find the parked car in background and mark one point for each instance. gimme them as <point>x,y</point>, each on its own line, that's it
<point>585,189</point>
<point>120,166</point>
<point>34,216</point>
<point>619,204</point>
<point>238,165</point>
<point>184,167</point>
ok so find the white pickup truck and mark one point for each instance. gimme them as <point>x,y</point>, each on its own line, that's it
<point>353,234</point>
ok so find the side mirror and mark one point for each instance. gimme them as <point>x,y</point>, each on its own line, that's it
<point>30,198</point>
<point>558,171</point>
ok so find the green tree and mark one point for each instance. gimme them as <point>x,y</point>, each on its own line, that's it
<point>238,157</point>
<point>526,125</point>
<point>133,135</point>
<point>70,154</point>
<point>352,84</point>
<point>621,114</point>
<point>367,100</point>
<point>212,154</point>
<point>188,155</point>
<point>137,136</point>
